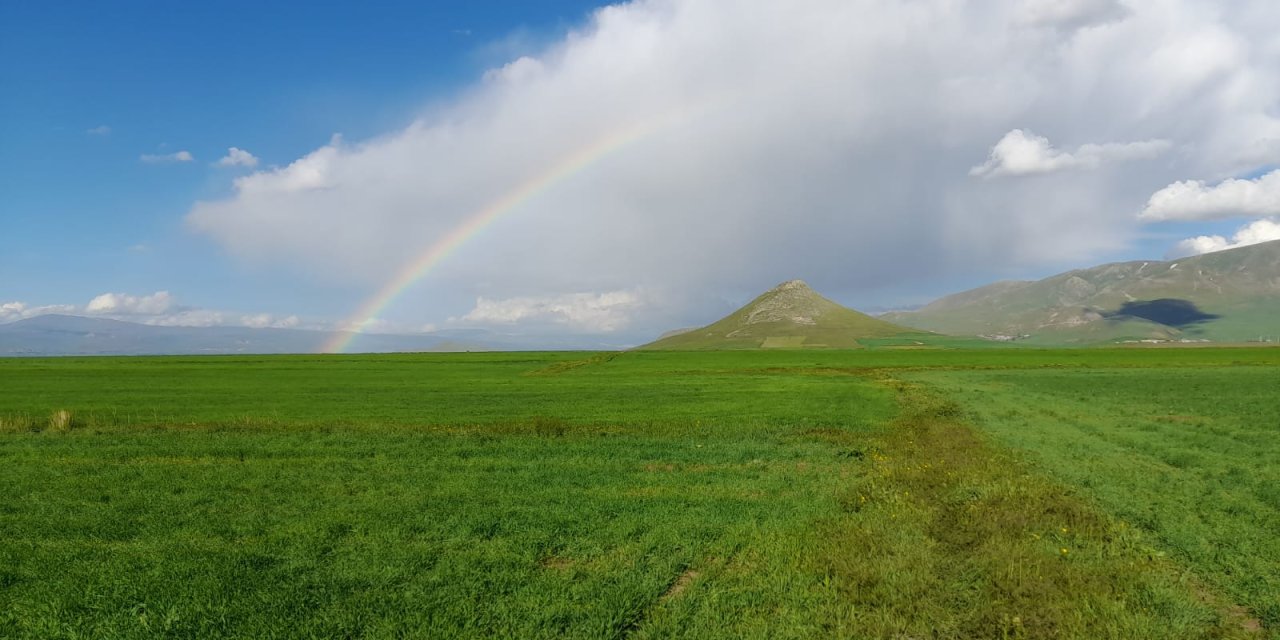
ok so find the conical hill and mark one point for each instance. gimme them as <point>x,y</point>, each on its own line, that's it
<point>788,316</point>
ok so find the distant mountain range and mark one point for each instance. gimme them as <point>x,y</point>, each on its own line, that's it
<point>790,315</point>
<point>74,335</point>
<point>1226,296</point>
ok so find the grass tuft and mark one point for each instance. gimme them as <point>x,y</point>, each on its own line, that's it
<point>62,421</point>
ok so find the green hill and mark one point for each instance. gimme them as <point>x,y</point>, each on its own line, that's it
<point>1226,296</point>
<point>788,316</point>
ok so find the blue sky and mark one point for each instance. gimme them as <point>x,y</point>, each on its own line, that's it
<point>1011,139</point>
<point>82,215</point>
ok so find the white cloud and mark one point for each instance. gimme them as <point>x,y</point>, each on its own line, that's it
<point>167,158</point>
<point>161,309</point>
<point>122,304</point>
<point>1021,152</point>
<point>309,173</point>
<point>1196,200</point>
<point>13,311</point>
<point>717,146</point>
<point>1258,231</point>
<point>596,312</point>
<point>100,130</point>
<point>238,158</point>
<point>158,309</point>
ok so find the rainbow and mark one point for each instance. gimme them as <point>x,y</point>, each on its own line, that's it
<point>474,224</point>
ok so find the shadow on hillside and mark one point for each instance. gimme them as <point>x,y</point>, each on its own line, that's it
<point>1167,311</point>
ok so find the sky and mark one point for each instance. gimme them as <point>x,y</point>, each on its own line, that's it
<point>613,171</point>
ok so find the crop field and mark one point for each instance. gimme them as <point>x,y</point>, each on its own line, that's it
<point>879,493</point>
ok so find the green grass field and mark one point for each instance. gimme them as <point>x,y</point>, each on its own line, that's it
<point>879,493</point>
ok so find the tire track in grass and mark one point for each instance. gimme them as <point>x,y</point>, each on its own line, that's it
<point>681,583</point>
<point>947,536</point>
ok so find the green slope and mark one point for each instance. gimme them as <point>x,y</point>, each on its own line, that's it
<point>788,316</point>
<point>1227,296</point>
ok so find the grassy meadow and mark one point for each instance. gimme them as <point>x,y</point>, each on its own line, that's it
<point>889,492</point>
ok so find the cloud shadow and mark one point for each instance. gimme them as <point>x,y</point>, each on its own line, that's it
<point>1167,311</point>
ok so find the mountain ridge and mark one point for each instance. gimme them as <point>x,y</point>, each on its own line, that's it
<point>1225,296</point>
<point>69,335</point>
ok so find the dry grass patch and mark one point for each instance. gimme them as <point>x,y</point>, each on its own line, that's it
<point>17,424</point>
<point>62,420</point>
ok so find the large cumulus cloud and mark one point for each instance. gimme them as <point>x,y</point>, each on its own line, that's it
<point>825,139</point>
